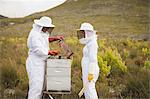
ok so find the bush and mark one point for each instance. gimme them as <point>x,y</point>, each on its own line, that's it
<point>137,84</point>
<point>105,69</point>
<point>110,60</point>
<point>9,77</point>
<point>147,64</point>
<point>146,51</point>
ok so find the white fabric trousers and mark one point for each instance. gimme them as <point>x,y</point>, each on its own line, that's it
<point>90,91</point>
<point>35,70</point>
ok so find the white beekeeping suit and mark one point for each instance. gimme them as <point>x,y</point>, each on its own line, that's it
<point>38,45</point>
<point>89,60</point>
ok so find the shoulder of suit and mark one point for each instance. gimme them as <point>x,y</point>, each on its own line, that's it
<point>92,44</point>
<point>35,34</point>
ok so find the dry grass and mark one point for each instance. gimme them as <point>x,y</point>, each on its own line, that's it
<point>115,21</point>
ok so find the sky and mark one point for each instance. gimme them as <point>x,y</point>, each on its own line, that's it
<point>22,8</point>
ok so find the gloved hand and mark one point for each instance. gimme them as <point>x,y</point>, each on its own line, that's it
<point>53,52</point>
<point>90,77</point>
<point>55,38</point>
<point>60,37</point>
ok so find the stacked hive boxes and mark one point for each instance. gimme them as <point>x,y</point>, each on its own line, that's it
<point>58,74</point>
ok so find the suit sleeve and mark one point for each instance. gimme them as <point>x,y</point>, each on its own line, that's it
<point>93,49</point>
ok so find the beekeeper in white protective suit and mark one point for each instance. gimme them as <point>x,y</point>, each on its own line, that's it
<point>90,69</point>
<point>38,44</point>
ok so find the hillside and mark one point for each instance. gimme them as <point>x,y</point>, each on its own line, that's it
<point>110,18</point>
<point>1,17</point>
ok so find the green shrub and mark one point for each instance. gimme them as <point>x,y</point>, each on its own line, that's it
<point>110,60</point>
<point>146,51</point>
<point>125,53</point>
<point>137,84</point>
<point>105,69</point>
<point>147,64</point>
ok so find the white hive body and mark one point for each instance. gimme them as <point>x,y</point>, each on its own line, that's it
<point>58,75</point>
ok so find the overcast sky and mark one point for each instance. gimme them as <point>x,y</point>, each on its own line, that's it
<point>21,8</point>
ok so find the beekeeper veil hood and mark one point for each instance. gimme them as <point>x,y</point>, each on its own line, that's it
<point>89,31</point>
<point>42,22</point>
<point>37,28</point>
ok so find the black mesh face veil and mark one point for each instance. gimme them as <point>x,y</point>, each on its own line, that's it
<point>80,34</point>
<point>51,29</point>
